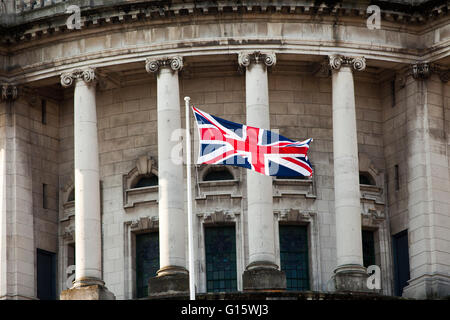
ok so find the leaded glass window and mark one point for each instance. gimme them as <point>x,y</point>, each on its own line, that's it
<point>294,256</point>
<point>368,248</point>
<point>220,251</point>
<point>147,260</point>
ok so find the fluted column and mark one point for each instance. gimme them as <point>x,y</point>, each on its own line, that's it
<point>262,272</point>
<point>350,273</point>
<point>88,254</point>
<point>172,275</point>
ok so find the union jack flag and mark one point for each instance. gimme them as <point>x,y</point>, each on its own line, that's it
<point>229,143</point>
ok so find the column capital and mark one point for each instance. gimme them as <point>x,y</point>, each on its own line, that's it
<point>421,70</point>
<point>9,92</point>
<point>245,58</point>
<point>155,64</point>
<point>336,61</point>
<point>86,74</point>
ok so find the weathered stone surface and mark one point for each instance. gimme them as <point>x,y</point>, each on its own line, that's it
<point>263,279</point>
<point>94,292</point>
<point>172,284</point>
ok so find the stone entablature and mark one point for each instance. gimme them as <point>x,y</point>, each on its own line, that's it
<point>418,10</point>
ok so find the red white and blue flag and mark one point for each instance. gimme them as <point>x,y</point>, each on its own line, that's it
<point>224,142</point>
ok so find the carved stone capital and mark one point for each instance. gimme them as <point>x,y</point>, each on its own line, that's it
<point>9,92</point>
<point>155,64</point>
<point>421,70</point>
<point>247,58</point>
<point>85,74</point>
<point>336,61</point>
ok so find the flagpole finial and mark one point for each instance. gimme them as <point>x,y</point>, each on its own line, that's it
<point>187,99</point>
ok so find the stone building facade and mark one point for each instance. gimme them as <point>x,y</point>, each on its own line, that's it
<point>92,175</point>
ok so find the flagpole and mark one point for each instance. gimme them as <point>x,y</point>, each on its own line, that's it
<point>189,200</point>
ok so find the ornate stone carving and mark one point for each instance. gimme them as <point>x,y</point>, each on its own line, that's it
<point>154,64</point>
<point>295,215</point>
<point>357,63</point>
<point>246,58</point>
<point>444,73</point>
<point>421,70</point>
<point>9,92</point>
<point>144,223</point>
<point>86,74</point>
<point>69,233</point>
<point>219,216</point>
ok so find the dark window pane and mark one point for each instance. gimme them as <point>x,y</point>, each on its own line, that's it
<point>147,260</point>
<point>366,178</point>
<point>147,182</point>
<point>368,248</point>
<point>294,256</point>
<point>215,175</point>
<point>220,249</point>
<point>293,177</point>
<point>71,196</point>
<point>46,275</point>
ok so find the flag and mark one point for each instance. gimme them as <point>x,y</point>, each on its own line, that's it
<point>228,143</point>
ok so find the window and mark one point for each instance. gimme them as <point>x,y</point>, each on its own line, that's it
<point>293,177</point>
<point>71,196</point>
<point>401,261</point>
<point>294,256</point>
<point>44,111</point>
<point>46,275</point>
<point>397,178</point>
<point>218,174</point>
<point>146,181</point>
<point>147,260</point>
<point>368,245</point>
<point>393,93</point>
<point>366,178</point>
<point>45,196</point>
<point>220,251</point>
<point>70,254</point>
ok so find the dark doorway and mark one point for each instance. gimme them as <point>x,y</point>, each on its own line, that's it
<point>46,275</point>
<point>401,261</point>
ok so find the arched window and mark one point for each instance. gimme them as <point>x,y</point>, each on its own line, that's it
<point>218,174</point>
<point>146,181</point>
<point>366,178</point>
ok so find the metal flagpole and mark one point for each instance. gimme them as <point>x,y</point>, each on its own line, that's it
<point>189,199</point>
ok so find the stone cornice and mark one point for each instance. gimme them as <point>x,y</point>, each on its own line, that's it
<point>356,63</point>
<point>86,74</point>
<point>43,20</point>
<point>245,58</point>
<point>153,65</point>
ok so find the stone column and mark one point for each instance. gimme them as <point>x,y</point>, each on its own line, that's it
<point>17,262</point>
<point>350,275</point>
<point>427,182</point>
<point>88,284</point>
<point>172,277</point>
<point>262,272</point>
